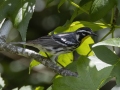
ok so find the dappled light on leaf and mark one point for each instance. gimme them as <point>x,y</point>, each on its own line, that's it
<point>20,14</point>
<point>106,55</point>
<point>100,8</point>
<point>33,64</point>
<point>98,63</point>
<point>109,42</point>
<point>70,27</point>
<point>89,78</point>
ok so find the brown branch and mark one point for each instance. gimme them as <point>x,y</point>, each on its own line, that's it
<point>32,54</point>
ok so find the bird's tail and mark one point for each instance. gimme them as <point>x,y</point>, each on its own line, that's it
<point>23,43</point>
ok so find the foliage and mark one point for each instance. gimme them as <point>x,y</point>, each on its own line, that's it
<point>2,83</point>
<point>90,76</point>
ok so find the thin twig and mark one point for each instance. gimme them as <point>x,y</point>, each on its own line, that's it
<point>113,23</point>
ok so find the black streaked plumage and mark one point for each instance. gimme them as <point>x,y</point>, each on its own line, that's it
<point>60,43</point>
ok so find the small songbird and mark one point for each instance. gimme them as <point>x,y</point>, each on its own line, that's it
<point>57,44</point>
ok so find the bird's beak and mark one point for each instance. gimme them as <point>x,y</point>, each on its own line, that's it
<point>94,34</point>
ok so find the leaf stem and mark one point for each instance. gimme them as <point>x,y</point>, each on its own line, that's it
<point>106,35</point>
<point>113,22</point>
<point>112,25</point>
<point>77,6</point>
<point>112,16</point>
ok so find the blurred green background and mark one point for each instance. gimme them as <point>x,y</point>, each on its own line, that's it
<point>15,69</point>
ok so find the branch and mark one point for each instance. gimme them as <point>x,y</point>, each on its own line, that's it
<point>113,23</point>
<point>31,54</point>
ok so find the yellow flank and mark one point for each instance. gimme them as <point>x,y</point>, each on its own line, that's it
<point>84,48</point>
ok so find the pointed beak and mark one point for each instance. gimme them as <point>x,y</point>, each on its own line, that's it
<point>94,34</point>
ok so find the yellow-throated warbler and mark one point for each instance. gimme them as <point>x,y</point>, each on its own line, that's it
<point>60,43</point>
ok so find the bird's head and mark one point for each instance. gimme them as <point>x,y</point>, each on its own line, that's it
<point>83,32</point>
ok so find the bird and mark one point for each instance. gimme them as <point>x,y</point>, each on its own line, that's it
<point>60,43</point>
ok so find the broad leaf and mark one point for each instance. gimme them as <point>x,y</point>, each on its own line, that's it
<point>109,42</point>
<point>77,24</point>
<point>48,2</point>
<point>19,11</point>
<point>33,63</point>
<point>116,87</point>
<point>2,83</point>
<point>85,5</point>
<point>116,72</point>
<point>39,88</point>
<point>65,59</point>
<point>89,77</point>
<point>100,8</point>
<point>118,4</point>
<point>98,63</point>
<point>28,87</point>
<point>50,88</point>
<point>61,3</point>
<point>106,55</point>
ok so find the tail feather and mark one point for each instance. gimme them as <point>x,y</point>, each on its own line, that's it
<point>29,44</point>
<point>24,43</point>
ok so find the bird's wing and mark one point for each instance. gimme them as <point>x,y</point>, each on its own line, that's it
<point>66,39</point>
<point>45,41</point>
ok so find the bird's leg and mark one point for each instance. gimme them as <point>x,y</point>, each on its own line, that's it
<point>48,56</point>
<point>54,59</point>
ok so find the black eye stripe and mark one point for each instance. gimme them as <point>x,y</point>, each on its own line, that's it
<point>82,31</point>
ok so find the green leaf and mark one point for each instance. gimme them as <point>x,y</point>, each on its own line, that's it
<point>61,3</point>
<point>19,11</point>
<point>106,55</point>
<point>116,87</point>
<point>109,42</point>
<point>77,24</point>
<point>50,88</point>
<point>86,6</point>
<point>65,59</point>
<point>89,77</point>
<point>45,54</point>
<point>72,66</point>
<point>98,63</point>
<point>28,87</point>
<point>116,72</point>
<point>33,64</point>
<point>82,2</point>
<point>39,88</point>
<point>4,7</point>
<point>100,8</point>
<point>74,15</point>
<point>48,2</point>
<point>118,4</point>
<point>2,83</point>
